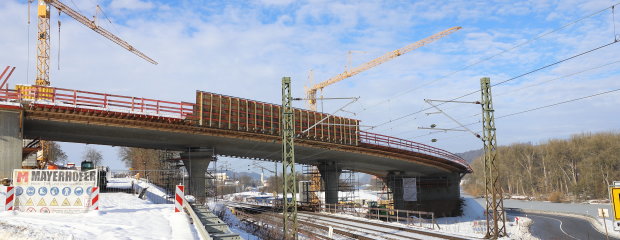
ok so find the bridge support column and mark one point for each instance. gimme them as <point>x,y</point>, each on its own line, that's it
<point>438,194</point>
<point>11,142</point>
<point>330,174</point>
<point>394,181</point>
<point>196,162</point>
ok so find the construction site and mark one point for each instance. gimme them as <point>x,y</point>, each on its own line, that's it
<point>249,132</point>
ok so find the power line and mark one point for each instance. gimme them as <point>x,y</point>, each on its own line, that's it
<point>533,109</point>
<point>498,54</point>
<point>559,103</point>
<point>547,81</point>
<point>502,82</point>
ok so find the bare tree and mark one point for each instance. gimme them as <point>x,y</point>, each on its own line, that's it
<point>55,154</point>
<point>92,155</point>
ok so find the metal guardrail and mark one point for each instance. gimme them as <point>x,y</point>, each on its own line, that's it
<point>399,143</point>
<point>382,214</point>
<point>110,102</point>
<point>195,219</point>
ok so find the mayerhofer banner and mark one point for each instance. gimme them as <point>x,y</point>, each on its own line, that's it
<point>53,191</point>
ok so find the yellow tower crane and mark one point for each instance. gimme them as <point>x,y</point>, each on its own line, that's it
<point>43,52</point>
<point>311,92</point>
<point>43,36</point>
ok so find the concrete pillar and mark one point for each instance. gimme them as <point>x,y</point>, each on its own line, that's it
<point>330,174</point>
<point>11,143</point>
<point>394,181</point>
<point>438,194</point>
<point>196,162</point>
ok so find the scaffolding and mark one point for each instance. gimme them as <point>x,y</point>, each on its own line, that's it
<point>347,186</point>
<point>211,180</point>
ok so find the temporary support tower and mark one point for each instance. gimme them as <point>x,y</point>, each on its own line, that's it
<point>496,220</point>
<point>289,208</point>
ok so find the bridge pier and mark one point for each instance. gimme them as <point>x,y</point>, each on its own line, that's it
<point>330,174</point>
<point>196,162</point>
<point>438,194</point>
<point>11,142</point>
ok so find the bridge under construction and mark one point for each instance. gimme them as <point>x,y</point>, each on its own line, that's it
<point>228,126</point>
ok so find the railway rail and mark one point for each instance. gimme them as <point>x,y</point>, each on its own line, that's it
<point>343,227</point>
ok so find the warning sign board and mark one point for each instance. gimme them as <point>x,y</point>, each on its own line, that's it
<point>615,202</point>
<point>41,190</point>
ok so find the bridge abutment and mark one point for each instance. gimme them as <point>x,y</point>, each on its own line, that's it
<point>438,194</point>
<point>196,162</point>
<point>330,174</point>
<point>11,142</point>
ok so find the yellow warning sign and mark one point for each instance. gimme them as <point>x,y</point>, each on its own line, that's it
<point>615,202</point>
<point>29,202</point>
<point>78,202</point>
<point>66,203</point>
<point>54,202</point>
<point>42,203</point>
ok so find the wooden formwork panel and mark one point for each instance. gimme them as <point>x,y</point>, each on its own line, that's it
<point>226,112</point>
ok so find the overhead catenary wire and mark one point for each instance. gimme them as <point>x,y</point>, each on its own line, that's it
<point>502,82</point>
<point>532,109</point>
<point>547,81</point>
<point>498,54</point>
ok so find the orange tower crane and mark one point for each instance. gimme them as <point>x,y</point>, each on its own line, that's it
<point>315,179</point>
<point>311,92</point>
<point>43,36</point>
<point>43,51</point>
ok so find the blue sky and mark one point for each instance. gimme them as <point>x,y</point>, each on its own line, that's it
<point>219,46</point>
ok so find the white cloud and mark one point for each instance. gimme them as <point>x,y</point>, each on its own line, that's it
<point>131,5</point>
<point>277,2</point>
<point>232,50</point>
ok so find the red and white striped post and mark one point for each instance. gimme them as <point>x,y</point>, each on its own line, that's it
<point>10,198</point>
<point>179,198</point>
<point>94,199</point>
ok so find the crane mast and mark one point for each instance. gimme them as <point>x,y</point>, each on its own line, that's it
<point>43,44</point>
<point>311,92</point>
<point>43,51</point>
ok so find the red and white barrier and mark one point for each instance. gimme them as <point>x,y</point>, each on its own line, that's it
<point>94,199</point>
<point>179,198</point>
<point>10,198</point>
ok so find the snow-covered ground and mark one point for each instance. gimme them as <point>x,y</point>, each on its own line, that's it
<point>121,216</point>
<point>471,224</point>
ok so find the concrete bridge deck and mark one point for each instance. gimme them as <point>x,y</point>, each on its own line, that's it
<point>86,117</point>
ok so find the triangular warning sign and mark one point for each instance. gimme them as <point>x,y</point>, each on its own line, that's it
<point>29,202</point>
<point>54,202</point>
<point>66,203</point>
<point>78,202</point>
<point>42,203</point>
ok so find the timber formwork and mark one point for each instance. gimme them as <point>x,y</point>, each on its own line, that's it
<point>233,113</point>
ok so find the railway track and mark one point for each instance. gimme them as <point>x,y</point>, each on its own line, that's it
<point>343,226</point>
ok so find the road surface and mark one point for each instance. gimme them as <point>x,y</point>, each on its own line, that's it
<point>550,226</point>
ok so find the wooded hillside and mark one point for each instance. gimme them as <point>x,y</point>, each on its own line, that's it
<point>578,168</point>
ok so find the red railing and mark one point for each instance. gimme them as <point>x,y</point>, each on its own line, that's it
<point>8,95</point>
<point>103,101</point>
<point>180,110</point>
<point>399,143</point>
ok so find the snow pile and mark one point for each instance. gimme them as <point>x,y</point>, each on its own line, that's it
<point>122,216</point>
<point>234,224</point>
<point>473,222</point>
